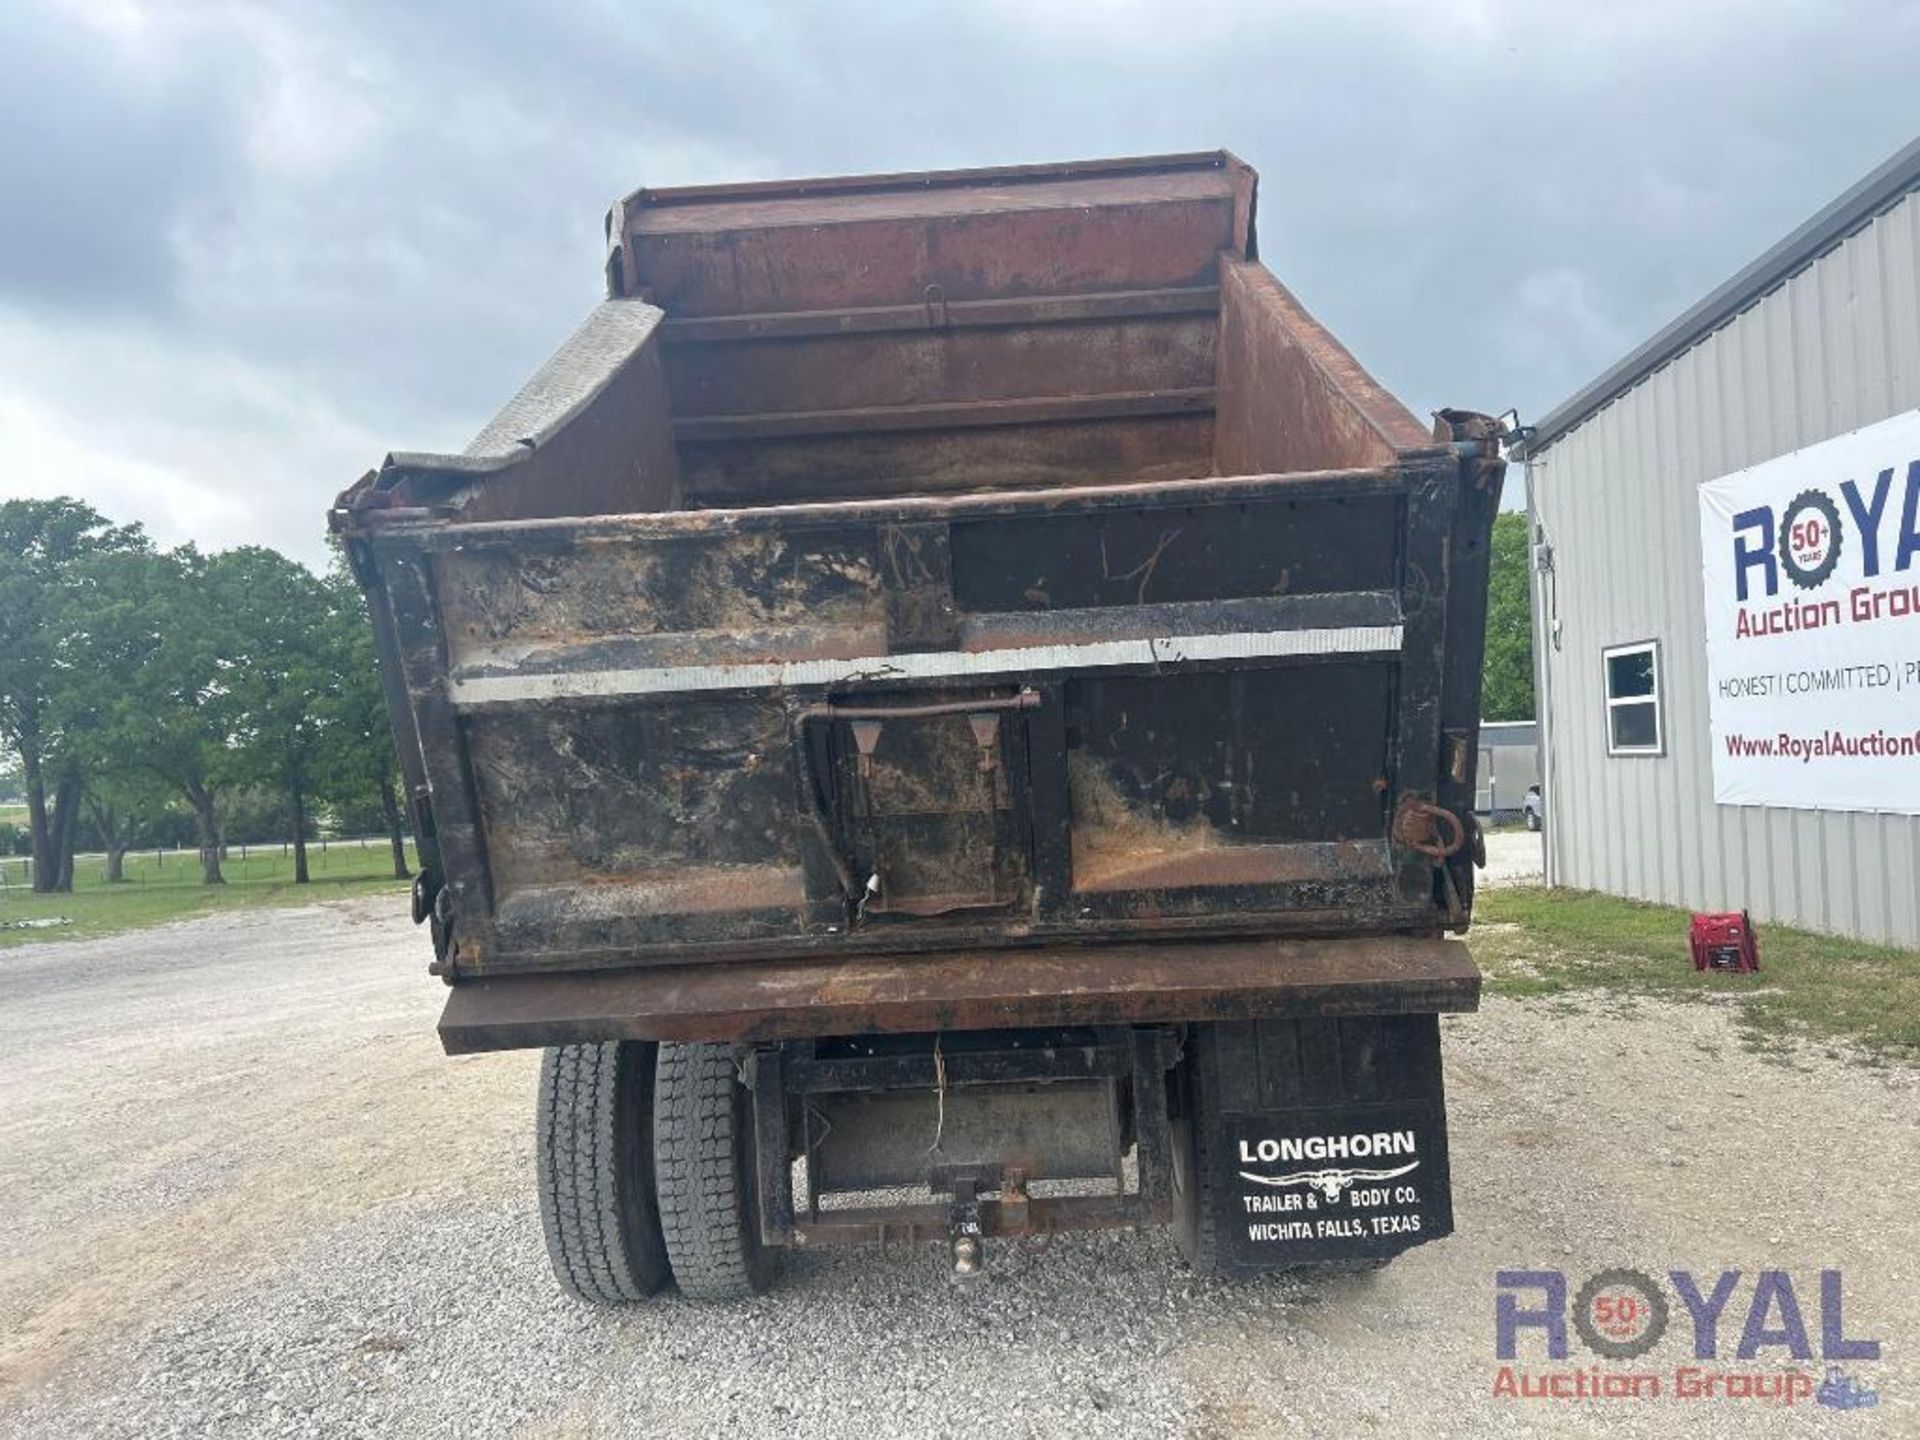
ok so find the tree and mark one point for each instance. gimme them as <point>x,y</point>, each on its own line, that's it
<point>163,680</point>
<point>1507,680</point>
<point>120,799</point>
<point>109,634</point>
<point>128,675</point>
<point>45,545</point>
<point>284,657</point>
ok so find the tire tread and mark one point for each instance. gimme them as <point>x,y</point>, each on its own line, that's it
<point>596,1209</point>
<point>707,1218</point>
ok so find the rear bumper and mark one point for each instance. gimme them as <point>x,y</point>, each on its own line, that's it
<point>967,990</point>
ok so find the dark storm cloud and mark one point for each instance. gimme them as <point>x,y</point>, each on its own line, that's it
<point>350,227</point>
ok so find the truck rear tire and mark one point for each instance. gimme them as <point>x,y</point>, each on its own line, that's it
<point>594,1154</point>
<point>703,1164</point>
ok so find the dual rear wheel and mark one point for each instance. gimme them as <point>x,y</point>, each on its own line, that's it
<point>644,1154</point>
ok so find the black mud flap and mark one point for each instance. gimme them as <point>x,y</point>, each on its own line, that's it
<point>1328,1139</point>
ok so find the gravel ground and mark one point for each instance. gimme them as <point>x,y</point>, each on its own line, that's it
<point>243,1193</point>
<point>1514,857</point>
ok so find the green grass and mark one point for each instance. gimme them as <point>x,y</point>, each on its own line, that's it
<point>1531,942</point>
<point>169,888</point>
<point>1537,942</point>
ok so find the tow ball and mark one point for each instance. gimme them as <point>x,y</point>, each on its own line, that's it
<point>969,1254</point>
<point>966,1241</point>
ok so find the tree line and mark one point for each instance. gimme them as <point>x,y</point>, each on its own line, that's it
<point>1506,691</point>
<point>140,685</point>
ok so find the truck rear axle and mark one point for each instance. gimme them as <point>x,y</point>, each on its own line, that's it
<point>1267,1145</point>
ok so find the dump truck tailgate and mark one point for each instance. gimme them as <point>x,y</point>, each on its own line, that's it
<point>1199,706</point>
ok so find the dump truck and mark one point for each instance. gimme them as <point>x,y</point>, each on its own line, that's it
<point>948,709</point>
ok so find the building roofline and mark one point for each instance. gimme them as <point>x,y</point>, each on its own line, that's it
<point>1879,191</point>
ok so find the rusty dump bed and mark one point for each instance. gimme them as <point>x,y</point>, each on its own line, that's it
<point>901,570</point>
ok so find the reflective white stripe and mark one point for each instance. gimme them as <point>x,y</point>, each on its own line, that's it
<point>931,665</point>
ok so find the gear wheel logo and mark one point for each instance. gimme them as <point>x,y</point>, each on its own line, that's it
<point>1810,538</point>
<point>1620,1313</point>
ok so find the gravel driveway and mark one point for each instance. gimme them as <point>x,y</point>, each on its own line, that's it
<point>243,1193</point>
<point>1514,857</point>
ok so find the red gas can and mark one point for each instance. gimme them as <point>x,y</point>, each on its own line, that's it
<point>1725,942</point>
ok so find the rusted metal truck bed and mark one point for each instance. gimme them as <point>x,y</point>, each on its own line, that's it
<point>909,594</point>
<point>1129,984</point>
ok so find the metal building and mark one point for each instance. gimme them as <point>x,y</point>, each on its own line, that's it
<point>1509,764</point>
<point>1818,338</point>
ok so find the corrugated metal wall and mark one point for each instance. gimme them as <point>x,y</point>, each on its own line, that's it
<point>1834,348</point>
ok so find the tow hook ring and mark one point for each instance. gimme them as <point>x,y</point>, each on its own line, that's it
<point>1420,838</point>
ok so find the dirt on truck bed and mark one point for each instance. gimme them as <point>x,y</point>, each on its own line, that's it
<point>244,1193</point>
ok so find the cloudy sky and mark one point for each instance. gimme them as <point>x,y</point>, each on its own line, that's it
<point>247,249</point>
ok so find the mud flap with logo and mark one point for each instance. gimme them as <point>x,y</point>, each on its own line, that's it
<point>1330,1139</point>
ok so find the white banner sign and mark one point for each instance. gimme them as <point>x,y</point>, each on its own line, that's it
<point>1812,565</point>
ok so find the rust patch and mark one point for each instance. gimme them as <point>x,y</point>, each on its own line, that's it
<point>1057,454</point>
<point>1234,863</point>
<point>724,585</point>
<point>967,989</point>
<point>568,797</point>
<point>1118,845</point>
<point>1421,825</point>
<point>688,890</point>
<point>1113,840</point>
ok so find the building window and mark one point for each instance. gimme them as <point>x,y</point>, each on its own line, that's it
<point>1633,698</point>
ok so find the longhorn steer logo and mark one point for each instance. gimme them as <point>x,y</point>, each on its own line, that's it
<point>1330,1183</point>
